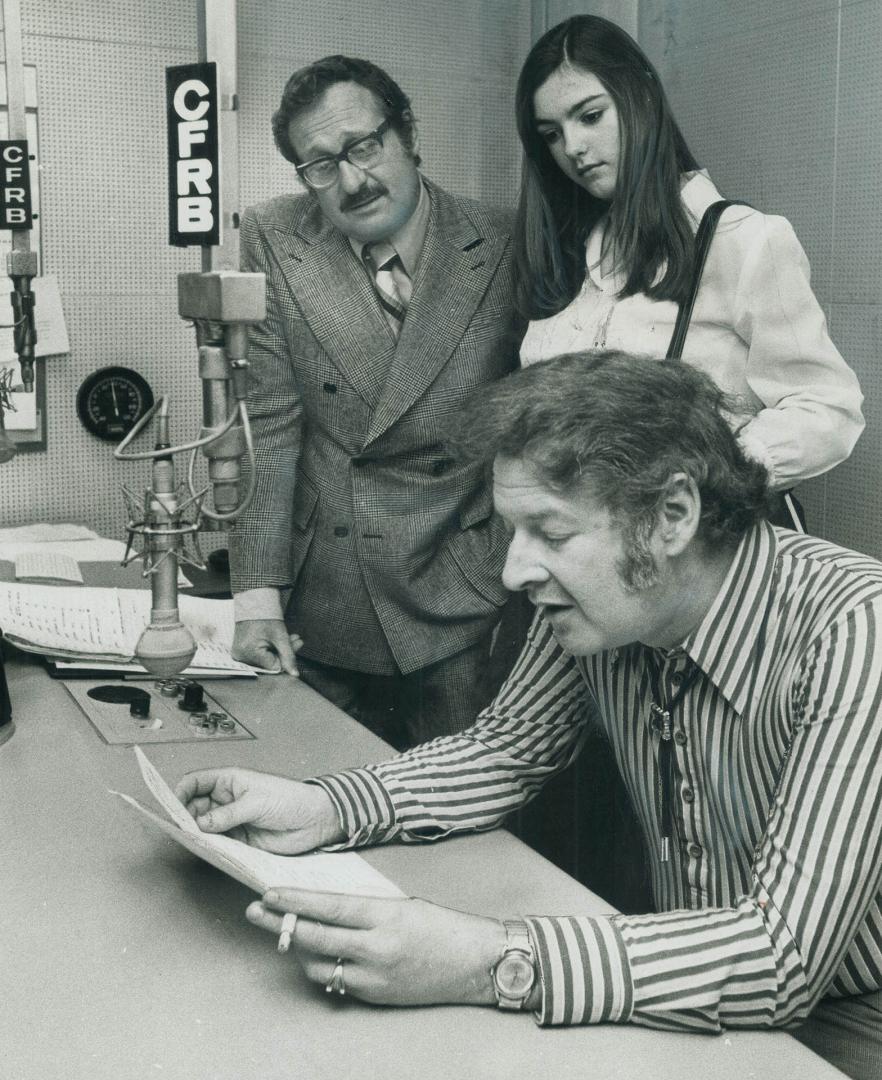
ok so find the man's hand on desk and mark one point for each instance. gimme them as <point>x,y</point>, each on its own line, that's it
<point>394,952</point>
<point>265,811</point>
<point>266,643</point>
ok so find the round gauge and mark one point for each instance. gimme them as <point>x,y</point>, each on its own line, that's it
<point>112,400</point>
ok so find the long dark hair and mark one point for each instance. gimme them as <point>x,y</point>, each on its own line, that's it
<point>648,230</point>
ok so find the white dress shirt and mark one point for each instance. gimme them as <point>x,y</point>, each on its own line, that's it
<point>756,329</point>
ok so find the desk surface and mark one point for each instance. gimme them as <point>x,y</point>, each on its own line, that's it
<point>122,957</point>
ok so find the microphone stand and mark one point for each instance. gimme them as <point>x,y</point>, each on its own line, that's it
<point>221,304</point>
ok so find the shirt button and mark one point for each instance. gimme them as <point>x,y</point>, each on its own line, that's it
<point>340,530</point>
<point>677,678</point>
<point>688,794</point>
<point>680,737</point>
<point>695,850</point>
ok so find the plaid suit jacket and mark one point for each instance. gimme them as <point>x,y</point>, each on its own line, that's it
<point>392,547</point>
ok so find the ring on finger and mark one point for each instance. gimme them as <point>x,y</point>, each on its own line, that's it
<point>336,983</point>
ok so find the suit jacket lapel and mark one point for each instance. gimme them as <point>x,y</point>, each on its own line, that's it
<point>337,300</point>
<point>456,267</point>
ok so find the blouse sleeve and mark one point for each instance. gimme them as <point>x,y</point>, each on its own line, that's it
<point>812,401</point>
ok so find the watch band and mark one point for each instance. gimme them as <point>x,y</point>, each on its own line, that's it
<point>514,974</point>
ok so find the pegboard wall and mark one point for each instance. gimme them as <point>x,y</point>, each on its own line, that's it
<point>775,101</point>
<point>101,88</point>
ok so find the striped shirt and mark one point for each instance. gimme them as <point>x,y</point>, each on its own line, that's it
<point>770,898</point>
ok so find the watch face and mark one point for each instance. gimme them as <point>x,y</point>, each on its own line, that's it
<point>515,975</point>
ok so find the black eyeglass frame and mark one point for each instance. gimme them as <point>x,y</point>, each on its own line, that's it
<point>377,134</point>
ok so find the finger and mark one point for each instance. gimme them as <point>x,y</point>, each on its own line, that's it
<point>284,654</point>
<point>263,917</point>
<point>265,657</point>
<point>321,970</point>
<point>309,936</point>
<point>339,909</point>
<point>222,819</point>
<point>195,784</point>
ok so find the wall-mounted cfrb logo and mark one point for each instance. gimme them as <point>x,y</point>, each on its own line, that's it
<point>15,185</point>
<point>193,173</point>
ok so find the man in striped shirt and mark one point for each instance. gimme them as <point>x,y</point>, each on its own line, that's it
<point>734,668</point>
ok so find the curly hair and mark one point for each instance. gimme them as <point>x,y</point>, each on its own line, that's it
<point>619,427</point>
<point>307,85</point>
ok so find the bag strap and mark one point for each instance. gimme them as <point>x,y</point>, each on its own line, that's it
<point>703,238</point>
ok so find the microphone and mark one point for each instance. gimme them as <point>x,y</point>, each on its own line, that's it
<point>221,304</point>
<point>166,646</point>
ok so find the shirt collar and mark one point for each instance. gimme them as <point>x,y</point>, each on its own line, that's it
<point>408,240</point>
<point>728,643</point>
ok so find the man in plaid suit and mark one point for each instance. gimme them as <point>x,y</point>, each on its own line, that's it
<point>388,302</point>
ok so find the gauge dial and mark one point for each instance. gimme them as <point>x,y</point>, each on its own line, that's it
<point>112,400</point>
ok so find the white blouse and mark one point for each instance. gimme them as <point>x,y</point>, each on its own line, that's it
<point>756,329</point>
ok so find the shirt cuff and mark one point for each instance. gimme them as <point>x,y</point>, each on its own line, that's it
<point>584,970</point>
<point>258,604</point>
<point>363,806</point>
<point>757,450</point>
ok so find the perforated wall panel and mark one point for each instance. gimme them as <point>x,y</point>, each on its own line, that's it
<point>778,102</point>
<point>458,62</point>
<point>100,74</point>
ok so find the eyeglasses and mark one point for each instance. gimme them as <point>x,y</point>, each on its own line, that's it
<point>363,153</point>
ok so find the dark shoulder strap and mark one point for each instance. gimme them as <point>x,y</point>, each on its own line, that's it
<point>703,238</point>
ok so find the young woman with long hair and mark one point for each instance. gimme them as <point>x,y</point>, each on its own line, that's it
<point>610,203</point>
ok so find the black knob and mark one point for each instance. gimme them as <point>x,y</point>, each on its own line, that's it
<point>194,698</point>
<point>139,704</point>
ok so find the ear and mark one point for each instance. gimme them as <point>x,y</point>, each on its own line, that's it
<point>410,120</point>
<point>679,514</point>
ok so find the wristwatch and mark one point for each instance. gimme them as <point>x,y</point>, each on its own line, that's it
<point>514,974</point>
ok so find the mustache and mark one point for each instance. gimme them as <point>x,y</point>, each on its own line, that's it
<point>356,198</point>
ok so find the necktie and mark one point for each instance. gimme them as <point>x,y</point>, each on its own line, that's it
<point>380,259</point>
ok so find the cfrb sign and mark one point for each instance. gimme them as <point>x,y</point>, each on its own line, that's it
<point>193,174</point>
<point>15,185</point>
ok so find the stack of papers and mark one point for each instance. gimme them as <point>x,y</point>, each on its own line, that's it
<point>95,626</point>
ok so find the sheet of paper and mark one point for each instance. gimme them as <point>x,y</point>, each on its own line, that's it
<point>65,620</point>
<point>323,871</point>
<point>55,565</point>
<point>82,622</point>
<point>43,531</point>
<point>211,622</point>
<point>97,550</point>
<point>120,669</point>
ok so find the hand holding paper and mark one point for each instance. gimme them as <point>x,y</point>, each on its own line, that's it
<point>259,869</point>
<point>269,812</point>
